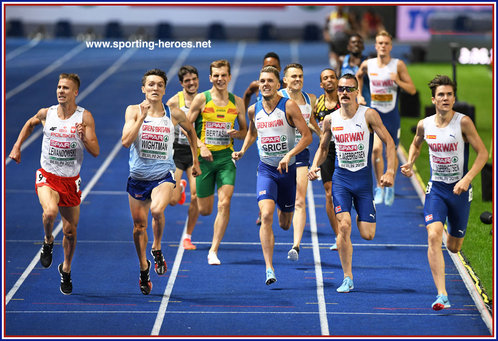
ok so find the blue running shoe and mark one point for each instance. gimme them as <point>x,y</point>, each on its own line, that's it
<point>270,277</point>
<point>334,247</point>
<point>378,195</point>
<point>346,286</point>
<point>441,303</point>
<point>389,196</point>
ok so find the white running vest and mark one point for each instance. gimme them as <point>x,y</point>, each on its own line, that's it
<point>180,137</point>
<point>306,111</point>
<point>352,139</point>
<point>448,152</point>
<point>151,154</point>
<point>275,135</point>
<point>62,148</point>
<point>383,90</point>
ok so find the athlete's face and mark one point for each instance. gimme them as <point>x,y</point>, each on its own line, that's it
<point>328,81</point>
<point>383,45</point>
<point>268,84</point>
<point>444,98</point>
<point>347,90</point>
<point>220,77</point>
<point>190,83</point>
<point>294,78</point>
<point>154,88</point>
<point>355,45</point>
<point>270,61</point>
<point>66,91</point>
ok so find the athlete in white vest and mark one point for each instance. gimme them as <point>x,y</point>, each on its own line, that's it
<point>149,132</point>
<point>352,127</point>
<point>386,76</point>
<point>273,122</point>
<point>67,130</point>
<point>189,80</point>
<point>293,77</point>
<point>449,192</point>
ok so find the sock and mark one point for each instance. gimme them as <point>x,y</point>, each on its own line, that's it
<point>187,236</point>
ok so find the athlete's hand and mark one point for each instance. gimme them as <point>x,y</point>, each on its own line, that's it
<point>237,155</point>
<point>196,169</point>
<point>283,165</point>
<point>15,154</point>
<point>312,173</point>
<point>461,186</point>
<point>387,180</point>
<point>80,129</point>
<point>144,109</point>
<point>406,169</point>
<point>233,133</point>
<point>206,153</point>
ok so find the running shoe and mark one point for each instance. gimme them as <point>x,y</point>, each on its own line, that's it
<point>160,263</point>
<point>258,221</point>
<point>145,283</point>
<point>46,255</point>
<point>270,277</point>
<point>346,286</point>
<point>334,247</point>
<point>187,244</point>
<point>213,259</point>
<point>441,302</point>
<point>293,253</point>
<point>389,196</point>
<point>378,195</point>
<point>183,183</point>
<point>66,283</point>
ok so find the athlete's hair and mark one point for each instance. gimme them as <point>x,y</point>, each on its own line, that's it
<point>219,63</point>
<point>186,69</point>
<point>327,68</point>
<point>384,33</point>
<point>272,55</point>
<point>440,80</point>
<point>71,76</point>
<point>349,76</point>
<point>356,35</point>
<point>155,72</point>
<point>293,65</point>
<point>271,69</point>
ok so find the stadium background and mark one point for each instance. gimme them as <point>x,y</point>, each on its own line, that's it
<point>422,37</point>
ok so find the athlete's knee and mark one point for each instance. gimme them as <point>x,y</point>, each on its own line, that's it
<point>139,227</point>
<point>50,213</point>
<point>453,248</point>
<point>69,231</point>
<point>300,203</point>
<point>204,209</point>
<point>266,218</point>
<point>368,235</point>
<point>224,203</point>
<point>157,213</point>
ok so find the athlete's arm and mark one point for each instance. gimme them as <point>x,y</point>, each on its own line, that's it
<point>403,79</point>
<point>180,118</point>
<point>27,129</point>
<point>322,151</point>
<point>251,135</point>
<point>313,125</point>
<point>173,102</point>
<point>414,150</point>
<point>195,110</point>
<point>375,122</point>
<point>86,131</point>
<point>251,90</point>
<point>471,136</point>
<point>362,71</point>
<point>133,122</point>
<point>295,118</point>
<point>241,118</point>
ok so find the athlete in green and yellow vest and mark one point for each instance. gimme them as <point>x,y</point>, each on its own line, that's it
<point>214,122</point>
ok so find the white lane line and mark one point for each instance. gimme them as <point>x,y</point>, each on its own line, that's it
<point>56,231</point>
<point>239,55</point>
<point>169,287</point>
<point>21,49</point>
<point>45,71</point>
<point>322,309</point>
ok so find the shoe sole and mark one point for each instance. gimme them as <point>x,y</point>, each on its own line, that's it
<point>439,306</point>
<point>64,293</point>
<point>270,281</point>
<point>293,256</point>
<point>146,290</point>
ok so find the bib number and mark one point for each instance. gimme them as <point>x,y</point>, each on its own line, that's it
<point>40,178</point>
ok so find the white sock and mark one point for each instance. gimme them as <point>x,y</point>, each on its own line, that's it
<point>187,236</point>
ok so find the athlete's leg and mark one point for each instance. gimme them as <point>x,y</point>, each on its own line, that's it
<point>225,193</point>
<point>299,219</point>
<point>193,208</point>
<point>177,191</point>
<point>139,213</point>
<point>267,208</point>
<point>344,245</point>
<point>160,198</point>
<point>49,201</point>
<point>377,159</point>
<point>435,255</point>
<point>70,217</point>
<point>329,206</point>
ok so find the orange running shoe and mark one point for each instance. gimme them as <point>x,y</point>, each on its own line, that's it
<point>187,244</point>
